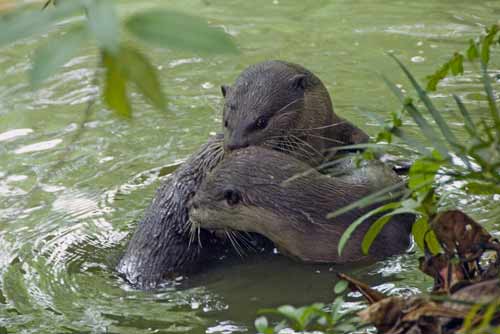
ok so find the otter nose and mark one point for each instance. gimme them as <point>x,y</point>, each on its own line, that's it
<point>234,146</point>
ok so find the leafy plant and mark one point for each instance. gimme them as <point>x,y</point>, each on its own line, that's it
<point>475,162</point>
<point>315,317</point>
<point>121,62</point>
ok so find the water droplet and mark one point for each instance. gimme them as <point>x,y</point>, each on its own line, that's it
<point>418,59</point>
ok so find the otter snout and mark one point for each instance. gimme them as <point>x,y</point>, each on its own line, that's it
<point>235,142</point>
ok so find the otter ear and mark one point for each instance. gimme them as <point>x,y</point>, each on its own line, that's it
<point>224,89</point>
<point>299,81</point>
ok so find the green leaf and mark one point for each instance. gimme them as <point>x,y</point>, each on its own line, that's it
<point>348,232</point>
<point>423,172</point>
<point>49,57</point>
<point>469,124</point>
<point>21,25</point>
<point>482,188</point>
<point>379,224</point>
<point>372,233</point>
<point>427,129</point>
<point>142,73</point>
<point>468,321</point>
<point>419,229</point>
<point>377,197</point>
<point>435,78</point>
<point>104,23</point>
<point>486,43</point>
<point>472,52</point>
<point>261,324</point>
<point>456,64</point>
<point>432,242</point>
<point>336,307</point>
<point>289,311</point>
<point>441,123</point>
<point>340,287</point>
<point>495,115</point>
<point>115,90</point>
<point>170,29</point>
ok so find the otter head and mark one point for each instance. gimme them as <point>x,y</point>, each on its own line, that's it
<point>244,193</point>
<point>269,105</point>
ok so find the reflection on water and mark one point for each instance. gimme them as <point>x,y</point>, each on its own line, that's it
<point>63,227</point>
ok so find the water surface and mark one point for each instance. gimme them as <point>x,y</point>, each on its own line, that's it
<point>64,225</point>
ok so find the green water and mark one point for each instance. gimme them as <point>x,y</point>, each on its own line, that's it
<point>64,226</point>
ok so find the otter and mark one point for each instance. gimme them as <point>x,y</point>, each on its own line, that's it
<point>256,189</point>
<point>296,117</point>
<point>161,243</point>
<point>285,107</point>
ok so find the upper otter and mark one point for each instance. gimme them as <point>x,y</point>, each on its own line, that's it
<point>247,192</point>
<point>286,107</point>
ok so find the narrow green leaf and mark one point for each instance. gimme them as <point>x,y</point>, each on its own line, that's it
<point>143,74</point>
<point>49,57</point>
<point>170,29</point>
<point>104,23</point>
<point>115,90</point>
<point>495,115</point>
<point>395,89</point>
<point>427,129</point>
<point>24,24</point>
<point>348,232</point>
<point>469,124</point>
<point>377,197</point>
<point>378,225</point>
<point>441,123</point>
<point>372,233</point>
<point>472,52</point>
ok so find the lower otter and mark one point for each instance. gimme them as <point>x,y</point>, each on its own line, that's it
<point>285,107</point>
<point>254,190</point>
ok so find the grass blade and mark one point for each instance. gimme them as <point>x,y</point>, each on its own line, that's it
<point>491,97</point>
<point>374,198</point>
<point>441,123</point>
<point>469,124</point>
<point>427,129</point>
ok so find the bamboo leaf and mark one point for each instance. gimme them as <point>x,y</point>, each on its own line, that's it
<point>104,24</point>
<point>142,73</point>
<point>18,26</point>
<point>55,53</point>
<point>115,90</point>
<point>170,29</point>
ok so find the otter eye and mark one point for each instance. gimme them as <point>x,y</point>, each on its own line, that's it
<point>261,123</point>
<point>232,197</point>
